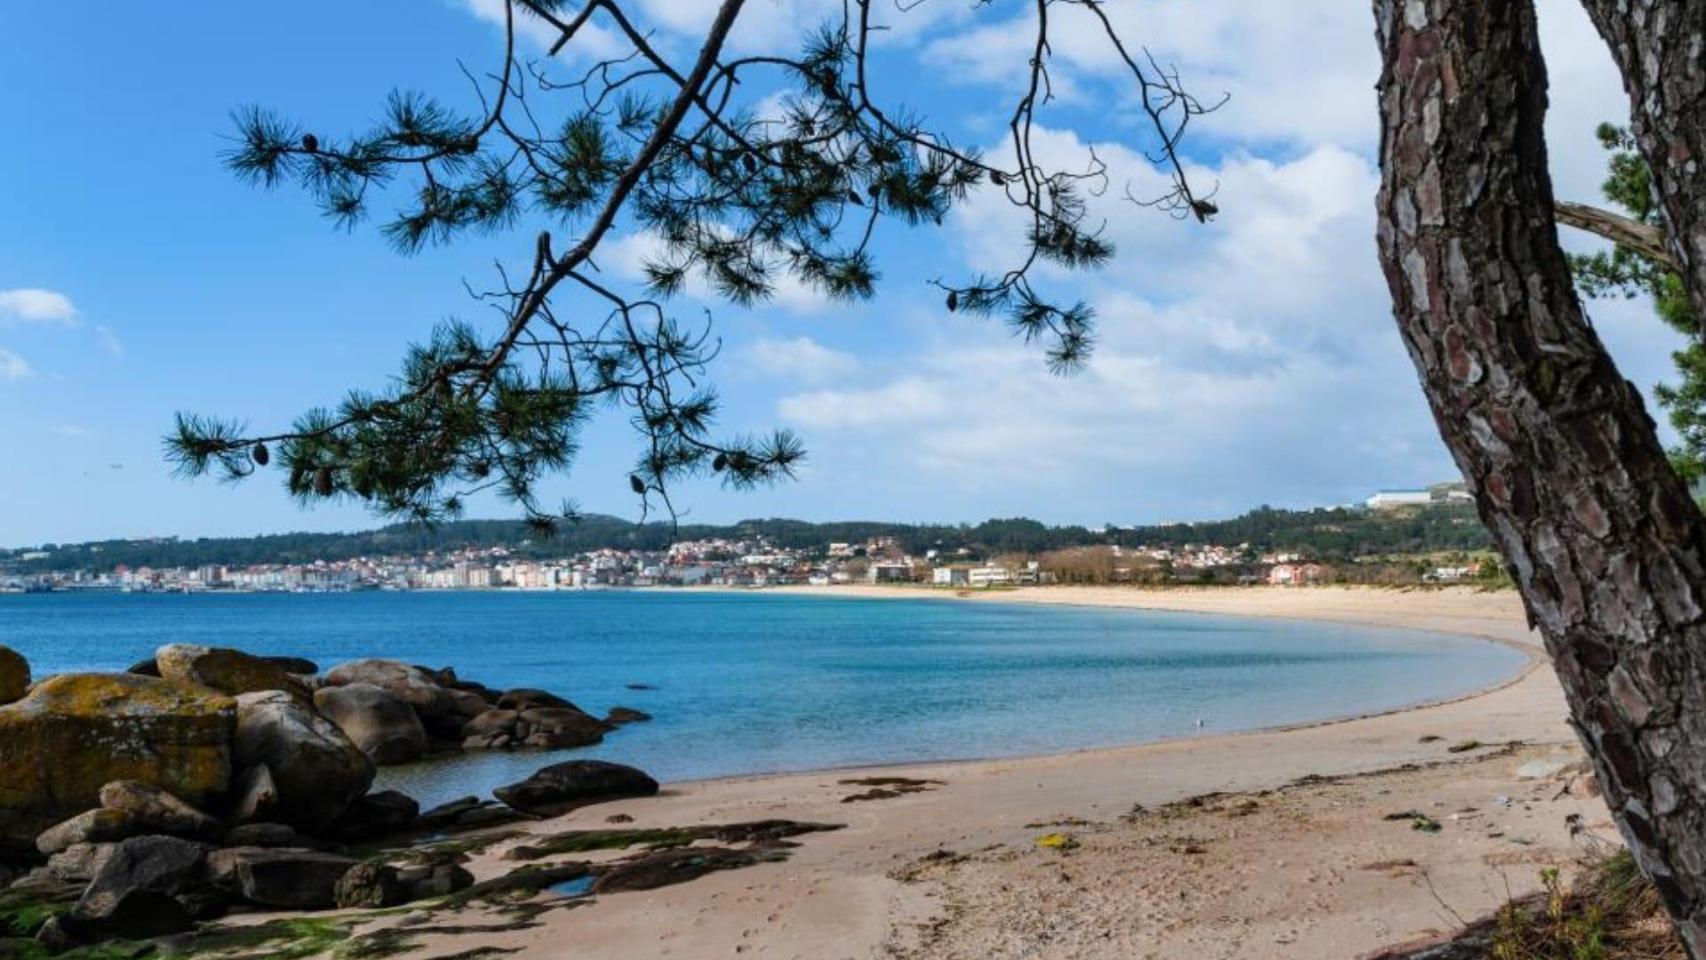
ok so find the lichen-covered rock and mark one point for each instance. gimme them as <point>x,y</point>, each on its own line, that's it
<point>79,862</point>
<point>223,669</point>
<point>562,787</point>
<point>157,811</point>
<point>316,771</point>
<point>14,675</point>
<point>90,826</point>
<point>75,733</point>
<point>412,685</point>
<point>382,726</point>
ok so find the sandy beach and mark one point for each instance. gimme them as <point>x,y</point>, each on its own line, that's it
<point>1328,840</point>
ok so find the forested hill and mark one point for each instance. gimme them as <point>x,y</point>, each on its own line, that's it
<point>1327,534</point>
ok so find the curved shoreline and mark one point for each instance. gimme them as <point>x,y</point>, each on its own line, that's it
<point>1301,849</point>
<point>1534,658</point>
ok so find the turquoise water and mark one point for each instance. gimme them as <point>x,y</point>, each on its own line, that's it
<point>755,683</point>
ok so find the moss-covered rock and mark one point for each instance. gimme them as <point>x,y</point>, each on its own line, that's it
<point>75,733</point>
<point>14,675</point>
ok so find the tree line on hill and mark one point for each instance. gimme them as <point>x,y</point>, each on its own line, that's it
<point>1325,534</point>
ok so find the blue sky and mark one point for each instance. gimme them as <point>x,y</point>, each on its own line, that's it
<point>1249,361</point>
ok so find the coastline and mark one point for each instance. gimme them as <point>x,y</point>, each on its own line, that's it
<point>1292,878</point>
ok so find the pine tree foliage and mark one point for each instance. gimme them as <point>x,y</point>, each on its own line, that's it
<point>1627,273</point>
<point>740,188</point>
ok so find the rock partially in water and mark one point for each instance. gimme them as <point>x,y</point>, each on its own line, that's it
<point>382,726</point>
<point>14,675</point>
<point>522,698</point>
<point>620,715</point>
<point>221,668</point>
<point>562,787</point>
<point>316,771</point>
<point>412,685</point>
<point>73,734</point>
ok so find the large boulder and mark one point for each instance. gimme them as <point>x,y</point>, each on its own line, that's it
<point>382,726</point>
<point>412,685</point>
<point>375,815</point>
<point>75,733</point>
<point>557,727</point>
<point>79,862</point>
<point>562,787</point>
<point>165,865</point>
<point>315,769</point>
<point>157,811</point>
<point>223,669</point>
<point>14,675</point>
<point>90,826</point>
<point>523,697</point>
<point>272,877</point>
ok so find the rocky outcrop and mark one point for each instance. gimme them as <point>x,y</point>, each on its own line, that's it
<point>73,734</point>
<point>220,668</point>
<point>315,770</point>
<point>620,715</point>
<point>162,865</point>
<point>549,727</point>
<point>276,877</point>
<point>522,698</point>
<point>14,675</point>
<point>385,728</point>
<point>375,815</point>
<point>562,787</point>
<point>156,811</point>
<point>370,884</point>
<point>90,826</point>
<point>412,685</point>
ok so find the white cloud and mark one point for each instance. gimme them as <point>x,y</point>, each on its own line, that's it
<point>799,358</point>
<point>13,367</point>
<point>108,338</point>
<point>628,255</point>
<point>909,400</point>
<point>32,305</point>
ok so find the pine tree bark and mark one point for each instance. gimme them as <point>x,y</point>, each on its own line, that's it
<point>1660,49</point>
<point>1608,549</point>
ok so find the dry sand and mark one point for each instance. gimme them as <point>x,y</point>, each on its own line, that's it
<point>1276,868</point>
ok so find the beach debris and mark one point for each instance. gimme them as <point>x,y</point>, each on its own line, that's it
<point>618,818</point>
<point>1188,846</point>
<point>756,833</point>
<point>1429,738</point>
<point>884,788</point>
<point>1057,841</point>
<point>1418,820</point>
<point>1541,769</point>
<point>1137,812</point>
<point>1464,746</point>
<point>1403,863</point>
<point>1502,800</point>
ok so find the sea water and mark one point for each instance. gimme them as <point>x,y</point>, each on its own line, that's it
<point>746,683</point>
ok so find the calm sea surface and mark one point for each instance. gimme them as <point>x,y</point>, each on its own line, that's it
<point>753,683</point>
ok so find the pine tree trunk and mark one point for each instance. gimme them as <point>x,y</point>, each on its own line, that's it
<point>1660,49</point>
<point>1608,549</point>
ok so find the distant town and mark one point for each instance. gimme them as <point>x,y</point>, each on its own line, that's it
<point>758,559</point>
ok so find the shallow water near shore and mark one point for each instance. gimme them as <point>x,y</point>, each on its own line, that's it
<point>746,683</point>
